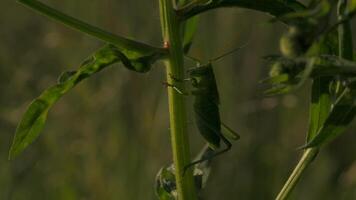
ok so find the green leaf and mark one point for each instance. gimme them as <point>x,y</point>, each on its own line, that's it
<point>318,11</point>
<point>279,79</point>
<point>352,6</point>
<point>341,115</point>
<point>273,7</point>
<point>320,105</point>
<point>35,117</point>
<point>132,49</point>
<point>325,44</point>
<point>277,90</point>
<point>180,3</point>
<point>190,28</point>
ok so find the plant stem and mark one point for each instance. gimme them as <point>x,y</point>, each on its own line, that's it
<point>122,43</point>
<point>307,158</point>
<point>344,32</point>
<point>345,51</point>
<point>175,68</point>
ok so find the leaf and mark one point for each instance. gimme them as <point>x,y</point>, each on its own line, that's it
<point>275,8</point>
<point>279,79</point>
<point>277,90</point>
<point>351,6</point>
<point>340,117</point>
<point>325,44</point>
<point>139,53</point>
<point>320,105</point>
<point>320,10</point>
<point>35,116</point>
<point>180,3</point>
<point>190,28</point>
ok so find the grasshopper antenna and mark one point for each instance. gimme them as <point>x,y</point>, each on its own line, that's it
<point>229,52</point>
<point>221,56</point>
<point>193,59</point>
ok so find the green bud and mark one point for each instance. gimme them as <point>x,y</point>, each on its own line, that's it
<point>276,69</point>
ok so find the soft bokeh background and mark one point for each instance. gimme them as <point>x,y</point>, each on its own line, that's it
<point>109,136</point>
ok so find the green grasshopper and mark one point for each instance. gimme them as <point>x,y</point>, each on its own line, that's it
<point>206,108</point>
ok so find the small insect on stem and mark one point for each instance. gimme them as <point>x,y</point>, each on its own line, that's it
<point>206,107</point>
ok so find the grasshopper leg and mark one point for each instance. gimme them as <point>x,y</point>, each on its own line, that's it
<point>228,147</point>
<point>175,88</point>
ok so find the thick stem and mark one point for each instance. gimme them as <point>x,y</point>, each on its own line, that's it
<point>307,158</point>
<point>177,109</point>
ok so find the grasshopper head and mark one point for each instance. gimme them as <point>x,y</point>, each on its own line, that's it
<point>202,77</point>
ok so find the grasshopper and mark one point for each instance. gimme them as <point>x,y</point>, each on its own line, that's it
<point>206,108</point>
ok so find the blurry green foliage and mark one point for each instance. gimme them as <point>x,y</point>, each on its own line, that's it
<point>108,139</point>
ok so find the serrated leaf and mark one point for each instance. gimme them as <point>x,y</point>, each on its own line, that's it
<point>341,115</point>
<point>35,116</point>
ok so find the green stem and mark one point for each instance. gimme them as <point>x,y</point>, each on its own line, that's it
<point>307,158</point>
<point>344,32</point>
<point>177,108</point>
<point>122,43</point>
<point>346,52</point>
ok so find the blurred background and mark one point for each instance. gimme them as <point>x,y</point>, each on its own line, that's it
<point>109,136</point>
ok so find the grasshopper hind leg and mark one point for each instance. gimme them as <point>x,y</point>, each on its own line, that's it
<point>209,157</point>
